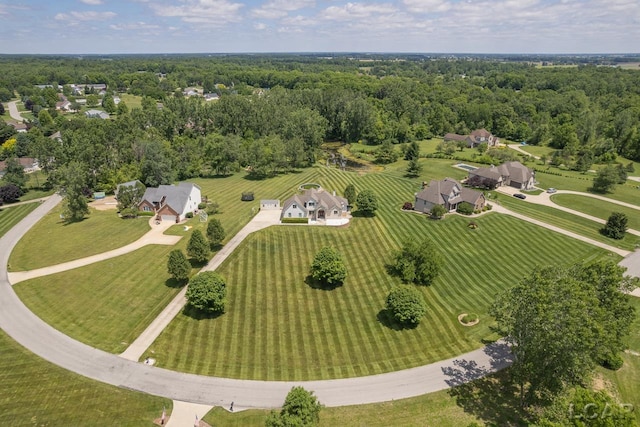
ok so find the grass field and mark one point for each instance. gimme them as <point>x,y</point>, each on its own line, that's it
<point>107,304</point>
<point>10,216</point>
<point>567,221</point>
<point>35,392</point>
<point>601,209</point>
<point>131,101</point>
<point>55,241</point>
<point>278,327</point>
<point>627,378</point>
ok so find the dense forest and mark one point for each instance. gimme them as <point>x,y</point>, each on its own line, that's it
<point>273,112</point>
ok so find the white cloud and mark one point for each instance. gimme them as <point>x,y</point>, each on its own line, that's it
<point>275,9</point>
<point>134,26</point>
<point>260,26</point>
<point>209,12</point>
<point>351,11</point>
<point>84,16</point>
<point>92,2</point>
<point>427,6</point>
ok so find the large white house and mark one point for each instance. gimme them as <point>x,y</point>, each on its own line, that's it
<point>318,206</point>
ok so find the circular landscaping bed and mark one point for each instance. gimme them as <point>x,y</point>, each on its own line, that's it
<point>468,319</point>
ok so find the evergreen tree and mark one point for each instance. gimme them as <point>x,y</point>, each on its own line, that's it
<point>178,265</point>
<point>198,247</point>
<point>215,232</point>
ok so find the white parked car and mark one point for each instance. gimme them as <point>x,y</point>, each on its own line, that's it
<point>551,190</point>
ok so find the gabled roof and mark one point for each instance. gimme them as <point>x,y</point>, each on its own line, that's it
<point>322,198</point>
<point>438,192</point>
<point>492,173</point>
<point>455,137</point>
<point>174,196</point>
<point>481,133</point>
<point>517,171</point>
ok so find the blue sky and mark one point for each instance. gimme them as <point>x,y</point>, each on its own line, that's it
<point>190,26</point>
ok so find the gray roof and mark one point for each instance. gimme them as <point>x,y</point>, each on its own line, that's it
<point>489,173</point>
<point>176,197</point>
<point>517,171</point>
<point>448,190</point>
<point>97,113</point>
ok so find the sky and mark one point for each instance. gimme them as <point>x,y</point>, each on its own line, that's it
<point>225,26</point>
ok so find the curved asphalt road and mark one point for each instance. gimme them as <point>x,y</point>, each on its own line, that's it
<point>40,338</point>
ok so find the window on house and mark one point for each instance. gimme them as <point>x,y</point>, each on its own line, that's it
<point>299,214</point>
<point>146,209</point>
<point>289,214</point>
<point>295,206</point>
<point>335,212</point>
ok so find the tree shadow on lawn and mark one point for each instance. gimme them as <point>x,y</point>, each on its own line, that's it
<point>360,214</point>
<point>314,284</point>
<point>385,317</point>
<point>492,397</point>
<point>196,314</point>
<point>176,284</point>
<point>197,264</point>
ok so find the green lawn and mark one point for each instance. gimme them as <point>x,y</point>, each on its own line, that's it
<point>567,221</point>
<point>601,209</point>
<point>107,304</point>
<point>131,101</point>
<point>434,409</point>
<point>51,241</point>
<point>538,150</point>
<point>10,216</point>
<point>278,327</point>
<point>35,392</point>
<point>627,378</point>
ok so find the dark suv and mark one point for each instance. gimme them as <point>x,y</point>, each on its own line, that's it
<point>520,196</point>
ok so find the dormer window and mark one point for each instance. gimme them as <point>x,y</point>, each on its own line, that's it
<point>295,206</point>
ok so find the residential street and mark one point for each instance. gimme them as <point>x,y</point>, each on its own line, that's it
<point>40,338</point>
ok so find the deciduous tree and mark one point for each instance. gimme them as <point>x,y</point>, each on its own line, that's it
<point>606,179</point>
<point>417,262</point>
<point>301,409</point>
<point>328,267</point>
<point>129,197</point>
<point>556,320</point>
<point>406,304</point>
<point>74,188</point>
<point>207,292</point>
<point>367,202</point>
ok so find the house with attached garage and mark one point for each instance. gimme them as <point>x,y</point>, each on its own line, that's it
<point>512,174</point>
<point>448,193</point>
<point>318,206</point>
<point>475,138</point>
<point>172,202</point>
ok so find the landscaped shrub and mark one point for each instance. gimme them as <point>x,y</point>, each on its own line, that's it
<point>146,213</point>
<point>465,208</point>
<point>408,206</point>
<point>189,215</point>
<point>202,205</point>
<point>295,220</point>
<point>472,225</point>
<point>469,318</point>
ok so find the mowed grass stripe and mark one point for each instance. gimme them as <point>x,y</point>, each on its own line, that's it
<point>106,304</point>
<point>11,215</point>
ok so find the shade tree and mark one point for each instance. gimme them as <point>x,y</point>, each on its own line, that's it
<point>207,292</point>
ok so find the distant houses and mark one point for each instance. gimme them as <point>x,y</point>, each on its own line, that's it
<point>511,174</point>
<point>97,114</point>
<point>447,193</point>
<point>475,138</point>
